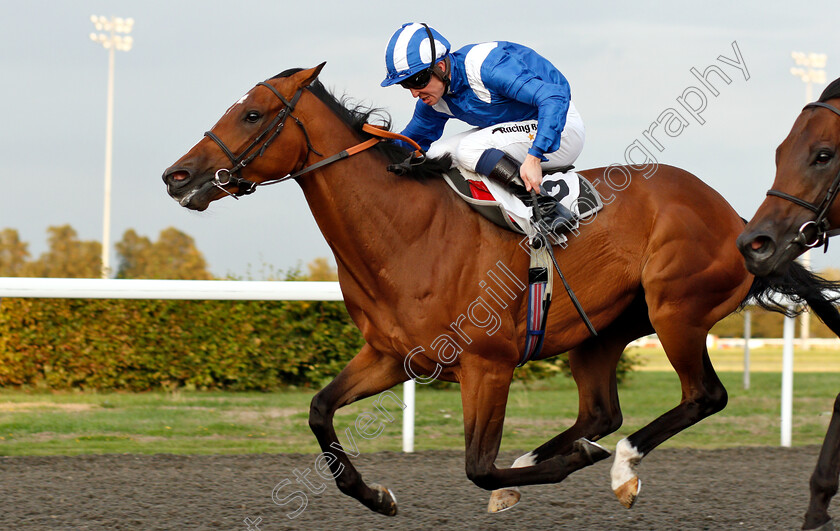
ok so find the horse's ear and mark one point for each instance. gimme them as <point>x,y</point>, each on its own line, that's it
<point>305,77</point>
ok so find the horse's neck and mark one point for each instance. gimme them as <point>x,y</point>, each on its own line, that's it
<point>372,219</point>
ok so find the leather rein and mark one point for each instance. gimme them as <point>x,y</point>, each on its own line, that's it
<point>820,222</point>
<point>233,175</point>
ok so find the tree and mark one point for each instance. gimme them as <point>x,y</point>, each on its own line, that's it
<point>174,256</point>
<point>67,257</point>
<point>13,253</point>
<point>133,253</point>
<point>320,269</point>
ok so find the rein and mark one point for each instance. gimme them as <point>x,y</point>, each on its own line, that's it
<point>820,222</point>
<point>233,175</point>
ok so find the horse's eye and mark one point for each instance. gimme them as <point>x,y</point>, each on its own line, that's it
<point>252,117</point>
<point>823,157</point>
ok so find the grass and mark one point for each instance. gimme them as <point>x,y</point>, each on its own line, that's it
<point>767,359</point>
<point>193,422</point>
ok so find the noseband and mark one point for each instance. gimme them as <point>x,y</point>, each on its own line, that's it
<point>820,222</point>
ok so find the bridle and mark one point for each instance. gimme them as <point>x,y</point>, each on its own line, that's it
<point>257,147</point>
<point>820,222</point>
<point>232,175</point>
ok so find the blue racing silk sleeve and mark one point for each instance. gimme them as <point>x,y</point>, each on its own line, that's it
<point>425,126</point>
<point>530,79</point>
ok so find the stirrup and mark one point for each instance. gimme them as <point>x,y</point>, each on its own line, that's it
<point>554,215</point>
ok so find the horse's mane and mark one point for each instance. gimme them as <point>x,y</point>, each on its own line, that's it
<point>356,115</point>
<point>831,91</point>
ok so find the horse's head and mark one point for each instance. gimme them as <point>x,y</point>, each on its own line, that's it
<point>233,157</point>
<point>800,207</point>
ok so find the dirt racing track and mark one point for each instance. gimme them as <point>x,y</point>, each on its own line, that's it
<point>742,488</point>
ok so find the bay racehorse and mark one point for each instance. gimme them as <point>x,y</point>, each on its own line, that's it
<point>437,292</point>
<point>800,212</point>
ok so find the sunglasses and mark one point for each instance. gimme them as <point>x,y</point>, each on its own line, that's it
<point>417,81</point>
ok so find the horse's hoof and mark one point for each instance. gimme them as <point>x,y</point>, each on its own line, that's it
<point>828,526</point>
<point>594,452</point>
<point>503,499</point>
<point>628,492</point>
<point>386,502</point>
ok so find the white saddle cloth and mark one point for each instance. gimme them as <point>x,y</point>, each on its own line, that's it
<point>555,185</point>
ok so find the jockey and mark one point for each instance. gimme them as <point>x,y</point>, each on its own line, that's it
<point>518,102</point>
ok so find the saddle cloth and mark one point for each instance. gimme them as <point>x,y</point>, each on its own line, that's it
<point>503,208</point>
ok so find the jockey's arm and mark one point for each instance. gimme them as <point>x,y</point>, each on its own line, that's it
<point>425,126</point>
<point>552,103</point>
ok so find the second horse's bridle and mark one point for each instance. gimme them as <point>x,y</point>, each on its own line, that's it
<point>820,222</point>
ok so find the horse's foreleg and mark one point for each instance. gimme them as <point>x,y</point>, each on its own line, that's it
<point>484,393</point>
<point>368,373</point>
<point>702,395</point>
<point>825,477</point>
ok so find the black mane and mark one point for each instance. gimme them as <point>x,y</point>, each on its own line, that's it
<point>357,115</point>
<point>831,91</point>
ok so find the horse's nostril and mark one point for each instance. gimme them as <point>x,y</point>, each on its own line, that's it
<point>758,247</point>
<point>176,176</point>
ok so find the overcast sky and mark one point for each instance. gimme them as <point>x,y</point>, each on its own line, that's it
<point>626,62</point>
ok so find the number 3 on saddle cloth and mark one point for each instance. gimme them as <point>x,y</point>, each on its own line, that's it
<point>505,209</point>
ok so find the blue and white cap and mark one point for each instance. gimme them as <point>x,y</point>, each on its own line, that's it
<point>410,51</point>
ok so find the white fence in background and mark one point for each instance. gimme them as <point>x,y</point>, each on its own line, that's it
<point>84,288</point>
<point>95,288</point>
<point>78,288</point>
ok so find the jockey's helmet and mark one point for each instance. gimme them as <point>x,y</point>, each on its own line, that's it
<point>413,49</point>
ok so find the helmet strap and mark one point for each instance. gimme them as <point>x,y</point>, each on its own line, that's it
<point>443,75</point>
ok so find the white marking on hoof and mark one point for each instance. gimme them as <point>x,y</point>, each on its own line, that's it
<point>504,499</point>
<point>625,482</point>
<point>628,492</point>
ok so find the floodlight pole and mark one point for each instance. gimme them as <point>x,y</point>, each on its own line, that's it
<point>111,41</point>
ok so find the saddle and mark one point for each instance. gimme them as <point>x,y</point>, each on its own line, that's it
<point>573,191</point>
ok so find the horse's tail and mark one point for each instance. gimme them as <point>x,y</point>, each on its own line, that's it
<point>801,287</point>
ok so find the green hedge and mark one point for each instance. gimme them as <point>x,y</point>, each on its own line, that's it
<point>147,344</point>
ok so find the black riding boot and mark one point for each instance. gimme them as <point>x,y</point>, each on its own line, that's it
<point>506,171</point>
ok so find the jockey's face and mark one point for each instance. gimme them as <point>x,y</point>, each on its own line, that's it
<point>431,93</point>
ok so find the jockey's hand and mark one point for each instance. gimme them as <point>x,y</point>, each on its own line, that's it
<point>531,173</point>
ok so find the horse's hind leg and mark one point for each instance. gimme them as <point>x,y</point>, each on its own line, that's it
<point>593,365</point>
<point>702,395</point>
<point>368,373</point>
<point>825,477</point>
<point>599,414</point>
<point>484,392</point>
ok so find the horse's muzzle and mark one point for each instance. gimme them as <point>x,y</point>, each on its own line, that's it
<point>769,255</point>
<point>176,177</point>
<point>181,186</point>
